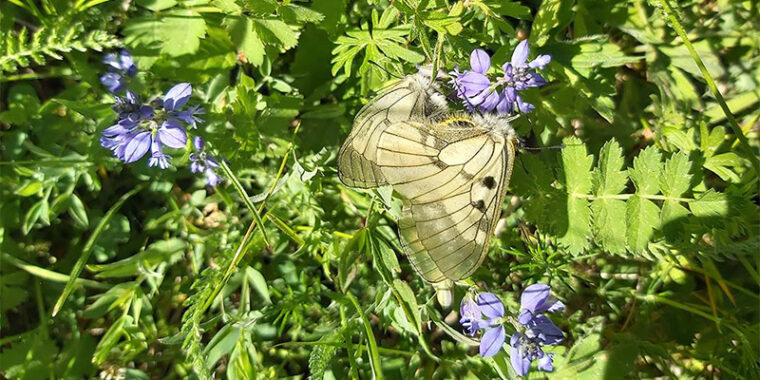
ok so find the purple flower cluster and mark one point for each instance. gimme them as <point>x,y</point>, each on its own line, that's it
<point>539,329</point>
<point>477,90</point>
<point>119,66</point>
<point>144,127</point>
<point>202,162</point>
<point>486,312</point>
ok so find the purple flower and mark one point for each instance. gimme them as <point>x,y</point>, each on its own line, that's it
<point>202,162</point>
<point>470,315</point>
<point>141,128</point>
<point>113,82</point>
<point>188,116</point>
<point>119,65</point>
<point>537,299</point>
<point>539,329</point>
<point>121,62</point>
<point>524,351</point>
<point>176,98</point>
<point>485,313</point>
<point>477,90</point>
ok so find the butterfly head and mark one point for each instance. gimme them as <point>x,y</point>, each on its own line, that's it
<point>435,101</point>
<point>497,125</point>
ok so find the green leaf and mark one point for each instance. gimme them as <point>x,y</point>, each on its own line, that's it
<point>579,225</point>
<point>409,301</point>
<point>596,53</point>
<point>373,352</point>
<point>576,165</point>
<point>245,37</point>
<point>608,178</point>
<point>673,218</point>
<point>181,32</point>
<point>77,211</point>
<point>157,5</point>
<point>676,180</point>
<point>643,217</point>
<point>276,32</point>
<point>298,14</point>
<point>33,215</point>
<point>29,188</point>
<point>322,354</point>
<point>646,171</point>
<point>609,224</point>
<point>156,253</point>
<point>546,19</point>
<point>333,11</point>
<point>87,249</point>
<point>721,165</point>
<point>259,283</point>
<point>711,204</point>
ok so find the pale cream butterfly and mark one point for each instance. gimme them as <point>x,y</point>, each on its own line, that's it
<point>451,173</point>
<point>414,96</point>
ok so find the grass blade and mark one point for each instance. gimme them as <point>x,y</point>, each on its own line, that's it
<point>87,250</point>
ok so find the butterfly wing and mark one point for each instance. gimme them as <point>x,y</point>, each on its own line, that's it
<point>452,181</point>
<point>412,97</point>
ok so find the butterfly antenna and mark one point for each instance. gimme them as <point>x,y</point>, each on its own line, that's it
<point>385,70</point>
<point>538,148</point>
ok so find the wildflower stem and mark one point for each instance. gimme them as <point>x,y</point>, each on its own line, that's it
<point>374,357</point>
<point>246,199</point>
<point>240,251</point>
<point>49,275</point>
<point>87,250</point>
<point>671,14</point>
<point>626,196</point>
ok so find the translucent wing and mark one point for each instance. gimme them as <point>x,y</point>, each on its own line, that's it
<point>452,178</point>
<point>412,97</point>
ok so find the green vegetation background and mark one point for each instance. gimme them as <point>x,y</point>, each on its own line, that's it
<point>646,224</point>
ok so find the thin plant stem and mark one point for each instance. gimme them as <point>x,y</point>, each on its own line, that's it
<point>88,246</point>
<point>743,142</point>
<point>241,249</point>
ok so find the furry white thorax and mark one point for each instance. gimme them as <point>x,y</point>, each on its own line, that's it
<point>496,124</point>
<point>422,82</point>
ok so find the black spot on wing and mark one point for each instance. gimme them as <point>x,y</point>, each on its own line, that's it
<point>489,182</point>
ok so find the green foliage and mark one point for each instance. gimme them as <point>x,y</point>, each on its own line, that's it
<point>24,48</point>
<point>665,201</point>
<point>645,223</point>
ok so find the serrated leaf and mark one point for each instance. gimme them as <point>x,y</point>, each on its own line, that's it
<point>676,180</point>
<point>609,224</point>
<point>276,32</point>
<point>608,178</point>
<point>181,32</point>
<point>646,171</point>
<point>711,204</point>
<point>321,355</point>
<point>546,19</point>
<point>299,14</point>
<point>578,225</point>
<point>720,164</point>
<point>643,217</point>
<point>673,218</point>
<point>245,37</point>
<point>576,166</point>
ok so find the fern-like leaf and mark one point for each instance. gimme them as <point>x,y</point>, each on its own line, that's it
<point>19,50</point>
